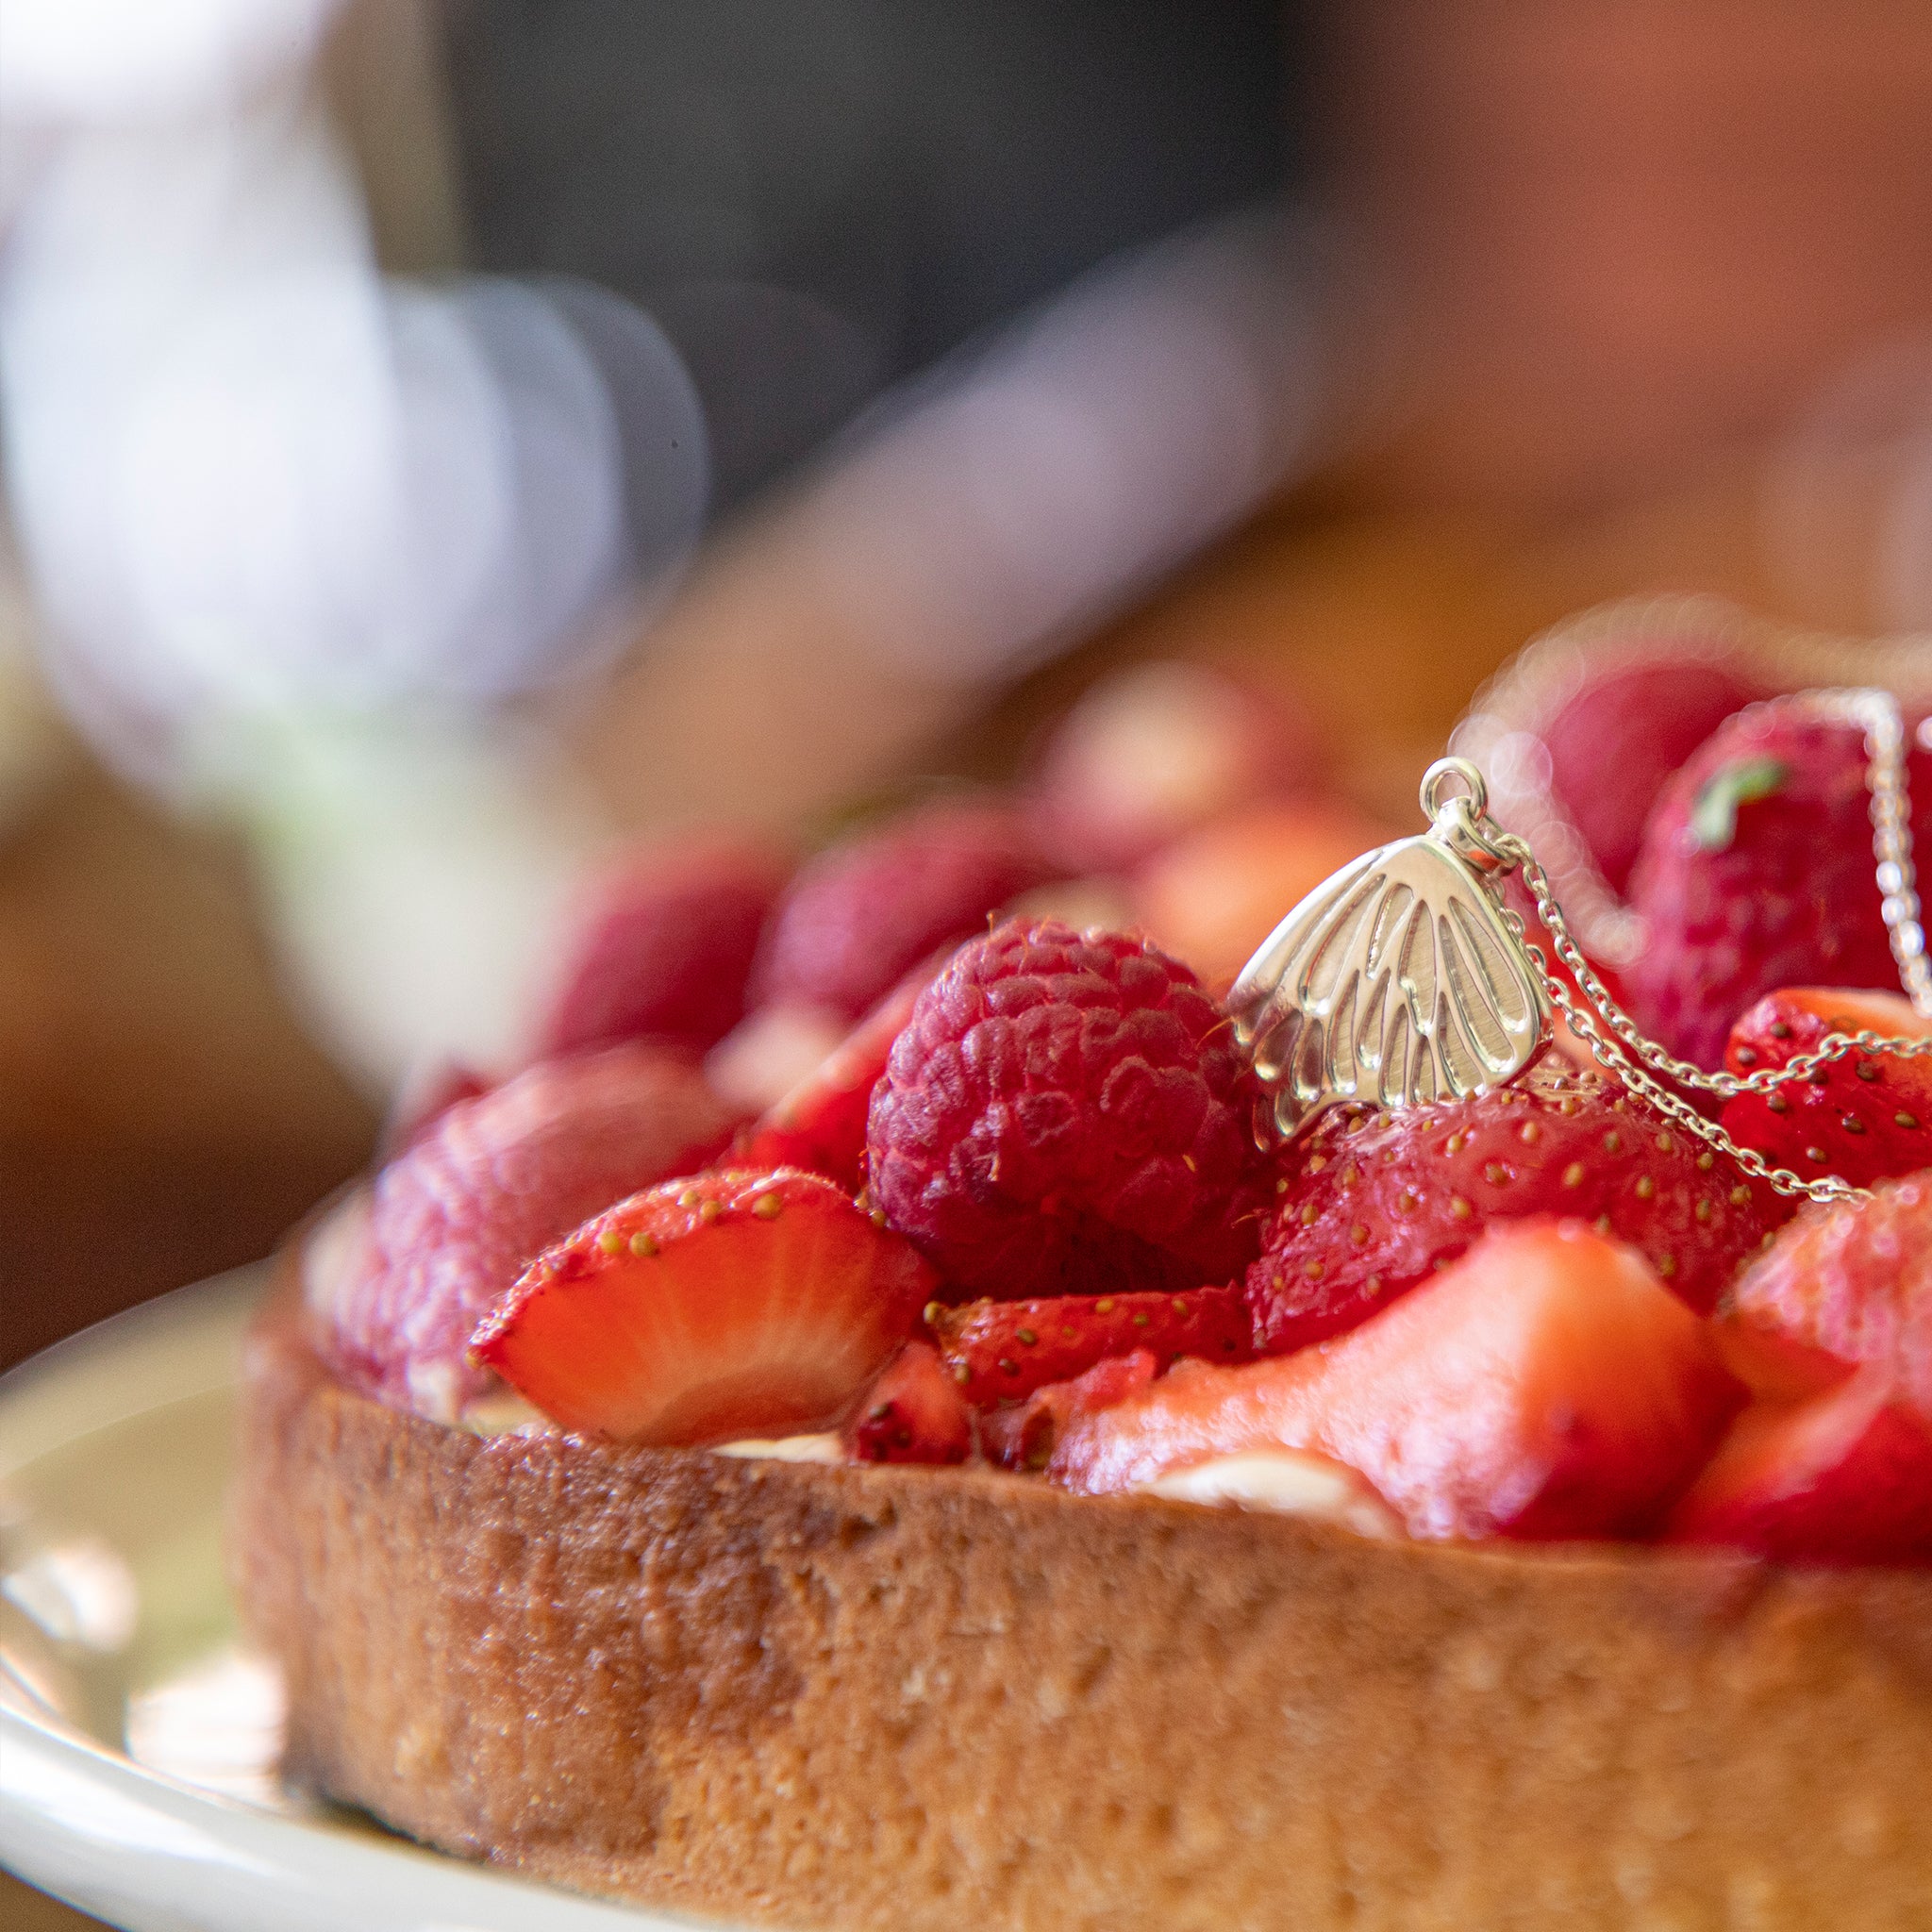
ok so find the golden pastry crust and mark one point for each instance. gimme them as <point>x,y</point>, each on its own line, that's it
<point>910,1698</point>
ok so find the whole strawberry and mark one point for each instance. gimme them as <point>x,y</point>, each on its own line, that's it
<point>1864,1116</point>
<point>1616,740</point>
<point>1757,871</point>
<point>1379,1202</point>
<point>869,908</point>
<point>1067,1114</point>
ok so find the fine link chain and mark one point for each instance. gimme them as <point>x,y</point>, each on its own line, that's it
<point>1636,1059</point>
<point>1891,836</point>
<point>1612,1056</point>
<point>1634,1044</point>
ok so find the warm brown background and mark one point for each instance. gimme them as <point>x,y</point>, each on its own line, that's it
<point>1619,246</point>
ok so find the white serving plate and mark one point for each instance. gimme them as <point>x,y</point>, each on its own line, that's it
<point>137,1741</point>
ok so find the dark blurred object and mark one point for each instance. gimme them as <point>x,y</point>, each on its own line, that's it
<point>161,1114</point>
<point>814,197</point>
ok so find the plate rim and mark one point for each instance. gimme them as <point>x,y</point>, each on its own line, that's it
<point>152,1853</point>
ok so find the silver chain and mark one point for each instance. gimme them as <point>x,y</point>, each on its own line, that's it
<point>1891,834</point>
<point>1635,1061</point>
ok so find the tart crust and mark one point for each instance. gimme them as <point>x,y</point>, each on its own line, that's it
<point>910,1698</point>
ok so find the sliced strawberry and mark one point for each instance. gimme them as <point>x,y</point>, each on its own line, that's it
<point>998,1351</point>
<point>1772,1366</point>
<point>1850,1282</point>
<point>731,1304</point>
<point>1844,1478</point>
<point>772,1050</point>
<point>1378,1202</point>
<point>820,1124</point>
<point>1864,1116</point>
<point>660,947</point>
<point>1545,1385</point>
<point>485,1187</point>
<point>1023,1436</point>
<point>913,1413</point>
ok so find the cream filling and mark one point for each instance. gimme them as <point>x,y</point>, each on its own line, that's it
<point>1286,1480</point>
<point>503,1412</point>
<point>787,1449</point>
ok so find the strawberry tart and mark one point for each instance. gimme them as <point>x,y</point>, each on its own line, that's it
<point>992,1484</point>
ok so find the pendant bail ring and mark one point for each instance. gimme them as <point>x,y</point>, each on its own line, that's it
<point>1460,820</point>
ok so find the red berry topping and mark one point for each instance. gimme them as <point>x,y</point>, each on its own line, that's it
<point>1864,1116</point>
<point>1756,872</point>
<point>913,1413</point>
<point>1852,1281</point>
<point>1024,1435</point>
<point>1616,740</point>
<point>1547,1385</point>
<point>727,1304</point>
<point>1067,1114</point>
<point>821,1123</point>
<point>1154,750</point>
<point>1380,1201</point>
<point>486,1185</point>
<point>999,1351</point>
<point>661,949</point>
<point>1843,1478</point>
<point>867,911</point>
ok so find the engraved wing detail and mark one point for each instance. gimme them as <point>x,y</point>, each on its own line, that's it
<point>1397,980</point>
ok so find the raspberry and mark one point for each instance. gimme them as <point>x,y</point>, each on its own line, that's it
<point>1067,1114</point>
<point>868,909</point>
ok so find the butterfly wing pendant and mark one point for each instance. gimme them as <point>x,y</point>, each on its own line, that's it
<point>1397,980</point>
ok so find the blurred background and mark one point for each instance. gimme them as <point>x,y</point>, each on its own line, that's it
<point>445,439</point>
<point>445,444</point>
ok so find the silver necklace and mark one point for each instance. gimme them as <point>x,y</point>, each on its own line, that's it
<point>1406,978</point>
